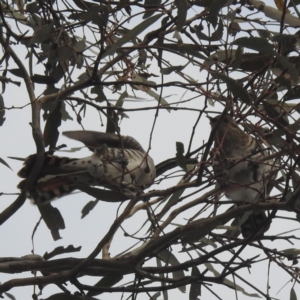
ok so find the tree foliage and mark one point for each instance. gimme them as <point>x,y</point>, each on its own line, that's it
<point>235,57</point>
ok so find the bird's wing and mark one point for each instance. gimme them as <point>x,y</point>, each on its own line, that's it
<point>94,139</point>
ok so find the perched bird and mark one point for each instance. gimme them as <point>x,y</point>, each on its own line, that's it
<point>118,163</point>
<point>240,169</point>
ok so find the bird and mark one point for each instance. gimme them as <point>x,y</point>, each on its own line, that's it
<point>241,170</point>
<point>118,163</point>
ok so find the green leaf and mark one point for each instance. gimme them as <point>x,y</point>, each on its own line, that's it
<point>214,8</point>
<point>155,296</point>
<point>217,35</point>
<point>131,34</point>
<point>172,200</point>
<point>180,159</point>
<point>195,290</point>
<point>97,14</point>
<point>32,8</point>
<point>100,194</point>
<point>160,41</point>
<point>42,79</point>
<point>106,281</point>
<point>222,55</point>
<point>53,122</point>
<point>190,49</point>
<point>80,46</point>
<point>50,89</point>
<point>83,4</point>
<point>169,258</point>
<point>120,101</point>
<point>2,111</point>
<point>230,283</point>
<point>61,250</point>
<point>293,295</point>
<point>16,72</point>
<point>238,57</point>
<point>255,61</point>
<point>255,43</point>
<point>182,7</point>
<point>10,296</point>
<point>292,71</point>
<point>273,110</point>
<point>292,94</point>
<point>65,296</point>
<point>64,113</point>
<point>53,219</point>
<point>64,53</point>
<point>169,70</point>
<point>294,252</point>
<point>162,101</point>
<point>236,89</point>
<point>4,163</point>
<point>88,207</point>
<point>42,34</point>
<point>148,5</point>
<point>98,90</point>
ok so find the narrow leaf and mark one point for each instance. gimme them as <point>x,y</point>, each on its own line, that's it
<point>16,72</point>
<point>148,5</point>
<point>230,283</point>
<point>236,89</point>
<point>42,34</point>
<point>169,258</point>
<point>171,69</point>
<point>88,207</point>
<point>182,7</point>
<point>61,250</point>
<point>53,219</point>
<point>180,159</point>
<point>293,295</point>
<point>255,43</point>
<point>100,194</point>
<point>51,132</point>
<point>2,111</point>
<point>106,281</point>
<point>5,163</point>
<point>131,34</point>
<point>195,290</point>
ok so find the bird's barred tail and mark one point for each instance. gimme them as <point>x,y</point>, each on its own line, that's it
<point>255,224</point>
<point>47,188</point>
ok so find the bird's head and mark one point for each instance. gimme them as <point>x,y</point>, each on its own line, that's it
<point>228,134</point>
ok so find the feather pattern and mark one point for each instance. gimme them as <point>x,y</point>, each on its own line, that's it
<point>240,168</point>
<point>117,163</point>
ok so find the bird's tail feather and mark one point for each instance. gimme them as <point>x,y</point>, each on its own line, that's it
<point>51,165</point>
<point>256,223</point>
<point>47,187</point>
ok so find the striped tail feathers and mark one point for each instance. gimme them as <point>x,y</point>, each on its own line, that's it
<point>255,223</point>
<point>49,189</point>
<point>28,165</point>
<point>114,164</point>
<point>50,167</point>
<point>94,139</point>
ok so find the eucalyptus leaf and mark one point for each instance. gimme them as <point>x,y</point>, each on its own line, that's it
<point>169,258</point>
<point>53,219</point>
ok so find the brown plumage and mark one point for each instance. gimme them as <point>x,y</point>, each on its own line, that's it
<point>118,163</point>
<point>240,170</point>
